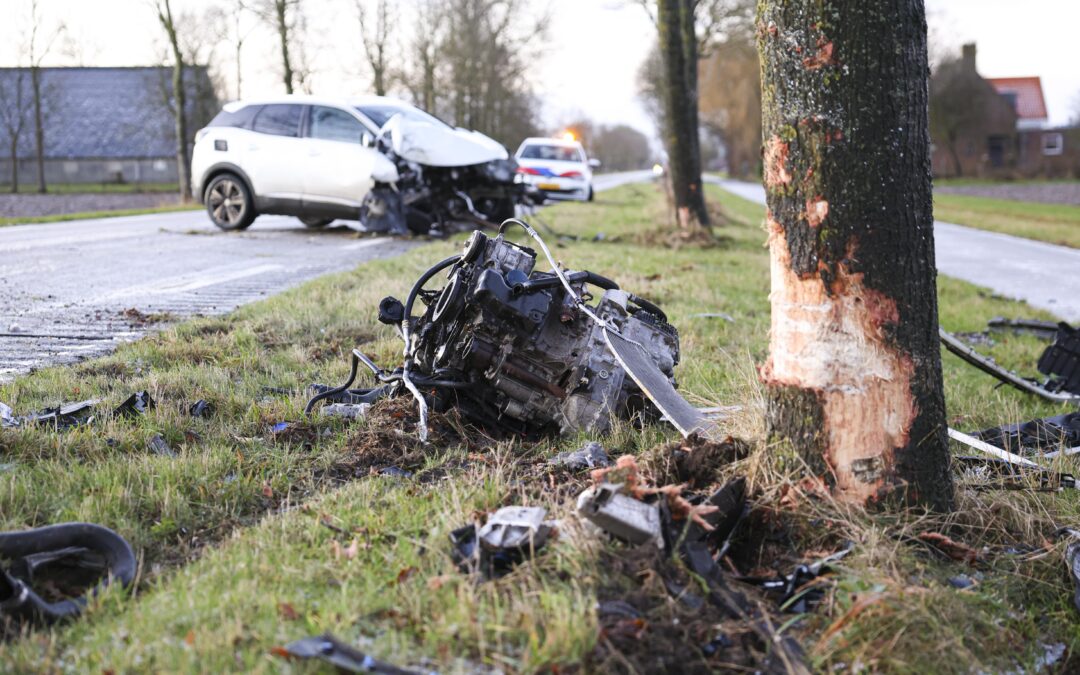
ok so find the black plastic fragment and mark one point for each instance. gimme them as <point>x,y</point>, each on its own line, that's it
<point>329,649</point>
<point>472,558</point>
<point>201,408</point>
<point>391,311</point>
<point>1061,360</point>
<point>136,404</point>
<point>1042,435</point>
<point>793,592</point>
<point>63,416</point>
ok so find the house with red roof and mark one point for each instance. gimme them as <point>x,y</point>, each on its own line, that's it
<point>997,127</point>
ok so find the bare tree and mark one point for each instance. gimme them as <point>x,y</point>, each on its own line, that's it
<point>854,378</point>
<point>620,148</point>
<point>425,57</point>
<point>41,41</point>
<point>375,34</point>
<point>178,101</point>
<point>16,108</point>
<point>238,36</point>
<point>286,18</point>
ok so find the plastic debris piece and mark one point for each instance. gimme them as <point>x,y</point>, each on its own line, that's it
<point>591,456</point>
<point>714,315</point>
<point>279,427</point>
<point>349,411</point>
<point>961,581</point>
<point>1072,560</point>
<point>10,466</point>
<point>796,592</point>
<point>329,649</point>
<point>64,416</point>
<point>7,416</point>
<point>1042,435</point>
<point>159,446</point>
<point>136,404</point>
<point>395,472</point>
<point>201,408</point>
<point>629,519</point>
<point>515,527</point>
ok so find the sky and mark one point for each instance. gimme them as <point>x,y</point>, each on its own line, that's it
<point>588,66</point>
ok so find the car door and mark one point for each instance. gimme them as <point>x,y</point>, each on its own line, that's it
<point>274,151</point>
<point>338,166</point>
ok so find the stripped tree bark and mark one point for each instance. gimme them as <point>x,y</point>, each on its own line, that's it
<point>854,372</point>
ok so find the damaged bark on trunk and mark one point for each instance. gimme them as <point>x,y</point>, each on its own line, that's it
<point>854,371</point>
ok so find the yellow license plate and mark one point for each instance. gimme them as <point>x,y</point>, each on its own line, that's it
<point>549,186</point>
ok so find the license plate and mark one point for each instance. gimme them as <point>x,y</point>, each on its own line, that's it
<point>549,186</point>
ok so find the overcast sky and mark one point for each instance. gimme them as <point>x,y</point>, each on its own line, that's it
<point>589,64</point>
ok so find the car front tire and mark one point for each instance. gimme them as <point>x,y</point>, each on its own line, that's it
<point>315,223</point>
<point>229,203</point>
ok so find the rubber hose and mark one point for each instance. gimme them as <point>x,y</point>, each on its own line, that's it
<point>19,600</point>
<point>336,390</point>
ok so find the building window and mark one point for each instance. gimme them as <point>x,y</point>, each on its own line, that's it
<point>1052,144</point>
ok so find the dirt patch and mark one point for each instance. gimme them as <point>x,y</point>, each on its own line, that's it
<point>695,460</point>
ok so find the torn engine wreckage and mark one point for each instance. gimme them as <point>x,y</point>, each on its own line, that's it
<point>521,352</point>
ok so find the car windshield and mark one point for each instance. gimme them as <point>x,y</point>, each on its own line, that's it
<point>557,153</point>
<point>381,113</point>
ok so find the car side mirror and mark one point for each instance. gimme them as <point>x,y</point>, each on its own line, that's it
<point>594,162</point>
<point>367,140</point>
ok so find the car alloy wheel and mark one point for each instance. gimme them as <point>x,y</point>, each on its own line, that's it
<point>227,203</point>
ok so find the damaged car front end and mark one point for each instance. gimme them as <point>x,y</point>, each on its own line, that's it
<point>444,176</point>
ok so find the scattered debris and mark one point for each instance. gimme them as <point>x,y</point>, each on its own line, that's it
<point>329,649</point>
<point>136,404</point>
<point>1047,435</point>
<point>64,416</point>
<point>279,427</point>
<point>798,592</point>
<point>349,411</point>
<point>510,536</point>
<point>515,527</point>
<point>961,581</point>
<point>395,472</point>
<point>201,408</point>
<point>591,456</point>
<point>629,519</point>
<point>159,446</point>
<point>30,550</point>
<point>520,352</point>
<point>1010,465</point>
<point>1013,476</point>
<point>1061,361</point>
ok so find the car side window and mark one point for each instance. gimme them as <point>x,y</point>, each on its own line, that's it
<point>279,119</point>
<point>240,119</point>
<point>331,124</point>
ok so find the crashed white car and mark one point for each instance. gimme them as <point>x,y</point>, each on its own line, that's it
<point>374,159</point>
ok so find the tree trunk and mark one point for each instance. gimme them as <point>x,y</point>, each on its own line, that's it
<point>39,128</point>
<point>854,372</point>
<point>183,169</point>
<point>678,49</point>
<point>14,164</point>
<point>955,158</point>
<point>280,9</point>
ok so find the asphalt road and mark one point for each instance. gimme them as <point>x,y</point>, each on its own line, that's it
<point>77,289</point>
<point>1044,275</point>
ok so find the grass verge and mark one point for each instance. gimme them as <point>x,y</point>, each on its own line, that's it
<point>251,538</point>
<point>63,217</point>
<point>1052,223</point>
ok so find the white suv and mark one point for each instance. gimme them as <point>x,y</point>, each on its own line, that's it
<point>378,160</point>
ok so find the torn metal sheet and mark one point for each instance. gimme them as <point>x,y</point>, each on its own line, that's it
<point>64,416</point>
<point>329,649</point>
<point>983,446</point>
<point>1043,329</point>
<point>657,386</point>
<point>988,366</point>
<point>348,411</point>
<point>987,469</point>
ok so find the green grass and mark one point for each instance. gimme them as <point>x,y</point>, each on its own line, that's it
<point>1052,223</point>
<point>64,217</point>
<point>94,188</point>
<point>236,559</point>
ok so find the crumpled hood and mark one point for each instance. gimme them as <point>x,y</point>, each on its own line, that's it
<point>438,145</point>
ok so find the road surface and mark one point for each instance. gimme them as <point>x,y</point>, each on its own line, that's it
<point>68,287</point>
<point>1043,275</point>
